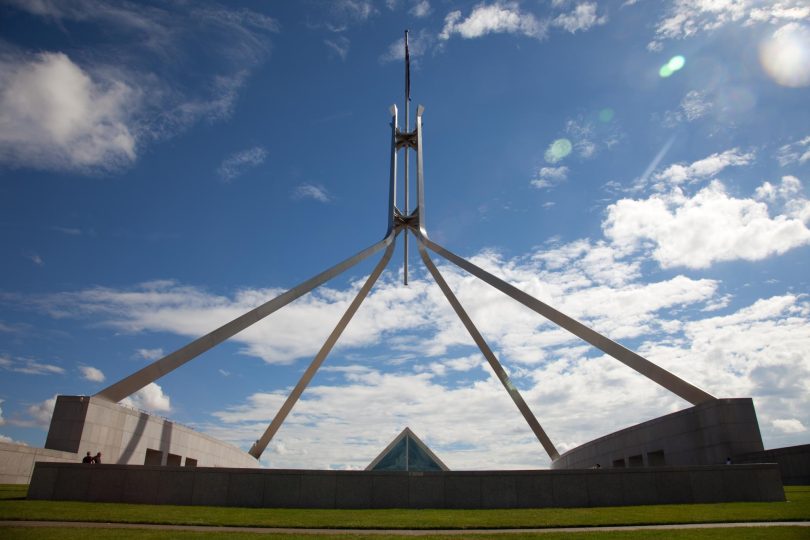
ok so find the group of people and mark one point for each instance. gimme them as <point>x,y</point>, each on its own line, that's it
<point>92,459</point>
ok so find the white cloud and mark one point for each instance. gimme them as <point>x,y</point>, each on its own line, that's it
<point>582,17</point>
<point>547,177</point>
<point>238,163</point>
<point>42,412</point>
<point>420,8</point>
<point>406,360</point>
<point>707,167</point>
<point>150,398</point>
<point>340,45</point>
<point>2,420</point>
<point>312,191</point>
<point>687,18</point>
<point>795,152</point>
<point>54,115</point>
<point>418,45</point>
<point>788,193</point>
<point>496,18</point>
<point>697,231</point>
<point>695,105</point>
<point>36,259</point>
<point>29,366</point>
<point>91,117</point>
<point>150,354</point>
<point>473,424</point>
<point>92,374</point>
<point>789,425</point>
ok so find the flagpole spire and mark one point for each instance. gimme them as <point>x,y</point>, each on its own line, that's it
<point>407,130</point>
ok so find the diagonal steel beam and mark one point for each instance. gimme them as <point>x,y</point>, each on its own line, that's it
<point>258,448</point>
<point>489,355</point>
<point>671,382</point>
<point>131,384</point>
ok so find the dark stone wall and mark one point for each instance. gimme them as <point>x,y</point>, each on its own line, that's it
<point>276,488</point>
<point>705,434</point>
<point>794,462</point>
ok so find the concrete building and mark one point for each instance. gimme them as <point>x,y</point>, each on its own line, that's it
<point>706,434</point>
<point>123,435</point>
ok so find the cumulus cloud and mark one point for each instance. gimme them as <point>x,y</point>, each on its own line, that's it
<point>707,167</point>
<point>92,374</point>
<point>408,355</point>
<point>547,177</point>
<point>467,423</point>
<point>41,412</point>
<point>581,18</point>
<point>789,425</point>
<point>150,398</point>
<point>240,162</point>
<point>496,18</point>
<point>54,115</point>
<point>698,231</point>
<point>94,116</point>
<point>312,191</point>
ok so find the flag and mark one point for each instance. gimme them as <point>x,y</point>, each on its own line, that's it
<point>407,70</point>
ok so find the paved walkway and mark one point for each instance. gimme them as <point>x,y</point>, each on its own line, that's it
<point>400,532</point>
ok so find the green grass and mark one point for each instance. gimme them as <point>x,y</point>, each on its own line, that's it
<point>14,507</point>
<point>752,533</point>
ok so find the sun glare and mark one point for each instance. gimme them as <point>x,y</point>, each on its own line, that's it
<point>558,150</point>
<point>675,63</point>
<point>785,56</point>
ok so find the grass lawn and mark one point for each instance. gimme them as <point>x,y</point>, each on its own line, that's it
<point>13,506</point>
<point>753,533</point>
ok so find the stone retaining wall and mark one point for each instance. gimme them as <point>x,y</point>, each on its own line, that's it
<point>275,488</point>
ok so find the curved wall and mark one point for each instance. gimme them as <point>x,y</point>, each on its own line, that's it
<point>705,434</point>
<point>130,437</point>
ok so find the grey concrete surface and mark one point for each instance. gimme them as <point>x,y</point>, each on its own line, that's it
<point>794,462</point>
<point>17,461</point>
<point>705,434</point>
<point>125,436</point>
<point>392,489</point>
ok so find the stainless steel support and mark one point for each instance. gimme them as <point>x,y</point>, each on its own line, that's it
<point>407,164</point>
<point>420,172</point>
<point>392,185</point>
<point>671,382</point>
<point>489,355</point>
<point>258,448</point>
<point>131,384</point>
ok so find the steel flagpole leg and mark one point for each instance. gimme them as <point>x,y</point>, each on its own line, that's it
<point>258,448</point>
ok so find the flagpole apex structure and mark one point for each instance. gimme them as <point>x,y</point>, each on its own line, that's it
<point>404,221</point>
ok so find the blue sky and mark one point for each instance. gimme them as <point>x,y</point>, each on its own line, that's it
<point>641,166</point>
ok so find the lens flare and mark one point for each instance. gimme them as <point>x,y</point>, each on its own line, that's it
<point>675,63</point>
<point>558,150</point>
<point>785,56</point>
<point>606,115</point>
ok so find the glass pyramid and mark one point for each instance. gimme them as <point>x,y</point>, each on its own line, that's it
<point>407,453</point>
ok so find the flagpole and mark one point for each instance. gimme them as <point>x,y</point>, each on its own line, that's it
<point>407,130</point>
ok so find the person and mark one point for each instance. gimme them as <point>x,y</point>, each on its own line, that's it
<point>88,458</point>
<point>97,459</point>
<point>728,461</point>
